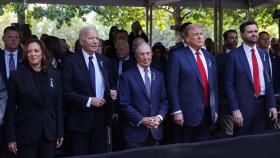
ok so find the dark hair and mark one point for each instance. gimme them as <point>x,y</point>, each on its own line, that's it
<point>244,24</point>
<point>112,29</point>
<point>45,63</point>
<point>52,43</point>
<point>123,31</point>
<point>225,35</point>
<point>10,28</point>
<point>183,26</point>
<point>263,32</point>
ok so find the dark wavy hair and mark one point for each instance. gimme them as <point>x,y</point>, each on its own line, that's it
<point>46,57</point>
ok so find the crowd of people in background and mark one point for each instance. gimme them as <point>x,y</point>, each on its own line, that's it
<point>122,93</point>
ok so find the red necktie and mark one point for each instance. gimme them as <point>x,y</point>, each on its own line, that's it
<point>256,79</point>
<point>204,79</point>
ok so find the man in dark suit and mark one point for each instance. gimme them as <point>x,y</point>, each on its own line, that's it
<point>143,101</point>
<point>272,61</point>
<point>192,87</point>
<point>10,56</point>
<point>248,86</point>
<point>122,63</point>
<point>86,77</point>
<point>225,119</point>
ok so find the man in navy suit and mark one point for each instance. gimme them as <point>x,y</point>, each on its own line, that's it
<point>86,79</point>
<point>273,61</point>
<point>248,86</point>
<point>225,117</point>
<point>143,101</point>
<point>10,56</point>
<point>192,87</point>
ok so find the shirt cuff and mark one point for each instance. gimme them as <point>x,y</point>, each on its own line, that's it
<point>176,112</point>
<point>140,122</point>
<point>88,102</point>
<point>160,117</point>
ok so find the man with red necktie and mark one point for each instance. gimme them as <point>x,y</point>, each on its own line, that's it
<point>248,86</point>
<point>192,87</point>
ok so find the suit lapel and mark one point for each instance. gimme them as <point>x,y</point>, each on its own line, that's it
<point>102,69</point>
<point>140,81</point>
<point>193,63</point>
<point>84,69</point>
<point>245,63</point>
<point>30,82</point>
<point>153,83</point>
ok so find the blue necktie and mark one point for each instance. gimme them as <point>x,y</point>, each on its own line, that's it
<point>147,82</point>
<point>12,66</point>
<point>91,73</point>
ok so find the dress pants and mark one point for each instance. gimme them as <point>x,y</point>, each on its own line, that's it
<point>189,134</point>
<point>254,123</point>
<point>150,141</point>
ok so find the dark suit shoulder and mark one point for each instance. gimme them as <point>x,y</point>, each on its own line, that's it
<point>72,57</point>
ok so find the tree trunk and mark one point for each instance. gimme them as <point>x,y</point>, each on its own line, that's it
<point>178,22</point>
<point>21,17</point>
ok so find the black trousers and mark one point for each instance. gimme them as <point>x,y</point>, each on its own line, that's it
<point>85,143</point>
<point>40,149</point>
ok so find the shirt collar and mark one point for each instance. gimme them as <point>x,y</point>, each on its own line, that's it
<point>14,52</point>
<point>86,55</point>
<point>194,51</point>
<point>248,48</point>
<point>142,69</point>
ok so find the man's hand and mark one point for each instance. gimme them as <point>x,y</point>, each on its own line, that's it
<point>237,118</point>
<point>97,102</point>
<point>13,147</point>
<point>113,94</point>
<point>179,119</point>
<point>148,122</point>
<point>273,114</point>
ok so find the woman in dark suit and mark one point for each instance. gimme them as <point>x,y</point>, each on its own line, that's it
<point>34,124</point>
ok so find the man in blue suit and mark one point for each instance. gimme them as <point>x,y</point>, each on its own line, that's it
<point>86,86</point>
<point>10,56</point>
<point>248,86</point>
<point>143,101</point>
<point>192,87</point>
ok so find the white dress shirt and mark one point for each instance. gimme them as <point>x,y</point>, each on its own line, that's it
<point>7,58</point>
<point>99,80</point>
<point>248,52</point>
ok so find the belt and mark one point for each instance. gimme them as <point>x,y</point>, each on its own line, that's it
<point>259,96</point>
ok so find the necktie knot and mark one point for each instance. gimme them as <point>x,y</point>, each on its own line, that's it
<point>11,55</point>
<point>253,50</point>
<point>146,70</point>
<point>90,57</point>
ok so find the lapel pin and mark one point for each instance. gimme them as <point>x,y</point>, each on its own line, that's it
<point>51,82</point>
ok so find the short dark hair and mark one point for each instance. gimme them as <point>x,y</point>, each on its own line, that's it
<point>46,57</point>
<point>123,31</point>
<point>10,28</point>
<point>263,32</point>
<point>225,35</point>
<point>183,26</point>
<point>246,23</point>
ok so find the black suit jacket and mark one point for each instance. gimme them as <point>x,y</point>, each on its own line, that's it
<point>126,65</point>
<point>27,114</point>
<point>3,65</point>
<point>275,63</point>
<point>77,90</point>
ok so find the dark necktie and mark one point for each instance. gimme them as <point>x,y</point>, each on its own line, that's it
<point>204,79</point>
<point>256,79</point>
<point>12,66</point>
<point>91,73</point>
<point>147,82</point>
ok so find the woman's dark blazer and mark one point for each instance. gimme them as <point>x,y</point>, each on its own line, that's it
<point>29,116</point>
